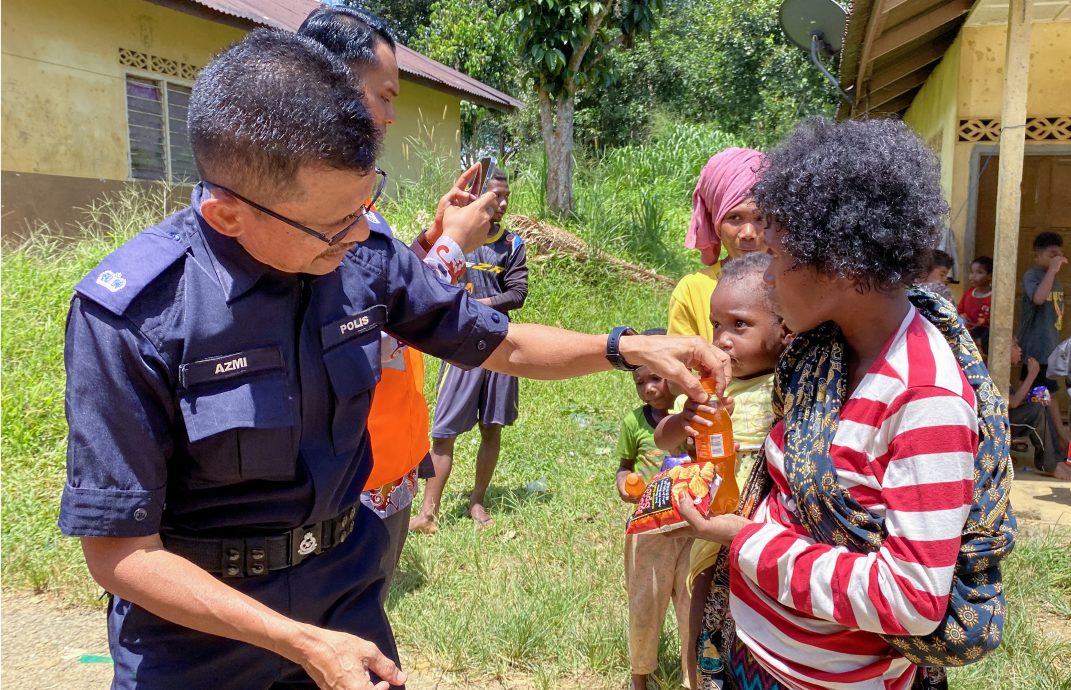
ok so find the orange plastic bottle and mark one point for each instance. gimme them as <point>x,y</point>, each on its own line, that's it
<point>716,446</point>
<point>634,485</point>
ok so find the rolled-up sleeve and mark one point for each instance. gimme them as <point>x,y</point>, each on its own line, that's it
<point>439,319</point>
<point>119,408</point>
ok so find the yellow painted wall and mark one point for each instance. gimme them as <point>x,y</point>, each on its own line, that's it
<point>427,120</point>
<point>933,112</point>
<point>64,104</point>
<point>982,74</point>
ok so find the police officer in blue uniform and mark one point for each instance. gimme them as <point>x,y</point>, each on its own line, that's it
<point>219,373</point>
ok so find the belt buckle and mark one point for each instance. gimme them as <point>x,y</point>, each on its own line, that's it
<point>304,542</point>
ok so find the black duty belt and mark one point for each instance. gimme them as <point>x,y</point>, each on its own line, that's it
<point>261,554</point>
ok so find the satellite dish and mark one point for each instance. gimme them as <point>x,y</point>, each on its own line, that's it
<point>802,20</point>
<point>817,26</point>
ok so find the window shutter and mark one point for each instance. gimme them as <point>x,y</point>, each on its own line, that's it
<point>145,124</point>
<point>178,106</point>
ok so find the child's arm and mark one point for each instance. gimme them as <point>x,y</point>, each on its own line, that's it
<point>1041,292</point>
<point>675,429</point>
<point>671,432</point>
<point>1032,369</point>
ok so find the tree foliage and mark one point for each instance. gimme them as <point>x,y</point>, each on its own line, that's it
<point>563,47</point>
<point>476,38</point>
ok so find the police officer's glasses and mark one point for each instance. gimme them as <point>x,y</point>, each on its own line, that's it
<point>330,240</point>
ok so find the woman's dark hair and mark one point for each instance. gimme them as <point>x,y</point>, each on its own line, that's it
<point>271,104</point>
<point>859,199</point>
<point>1044,240</point>
<point>351,33</point>
<point>985,262</point>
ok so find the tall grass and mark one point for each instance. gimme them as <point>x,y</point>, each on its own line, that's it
<point>633,201</point>
<point>38,278</point>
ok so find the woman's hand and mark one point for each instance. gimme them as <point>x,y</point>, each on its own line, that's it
<point>717,528</point>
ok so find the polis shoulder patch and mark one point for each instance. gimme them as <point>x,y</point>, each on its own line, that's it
<point>126,272</point>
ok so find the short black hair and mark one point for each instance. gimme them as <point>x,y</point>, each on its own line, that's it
<point>940,258</point>
<point>1047,239</point>
<point>985,262</point>
<point>351,33</point>
<point>271,104</point>
<point>500,174</point>
<point>750,265</point>
<point>859,199</point>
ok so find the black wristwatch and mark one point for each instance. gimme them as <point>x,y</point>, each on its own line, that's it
<point>613,349</point>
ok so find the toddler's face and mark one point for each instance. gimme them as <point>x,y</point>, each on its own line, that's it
<point>652,389</point>
<point>745,326</point>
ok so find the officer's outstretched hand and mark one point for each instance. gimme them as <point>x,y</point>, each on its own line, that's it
<point>675,357</point>
<point>340,661</point>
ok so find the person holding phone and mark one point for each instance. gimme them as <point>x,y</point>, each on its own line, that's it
<point>496,275</point>
<point>398,421</point>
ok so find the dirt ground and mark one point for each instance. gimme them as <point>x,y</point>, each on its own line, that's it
<point>46,646</point>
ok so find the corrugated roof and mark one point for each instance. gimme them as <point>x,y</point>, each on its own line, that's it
<point>288,14</point>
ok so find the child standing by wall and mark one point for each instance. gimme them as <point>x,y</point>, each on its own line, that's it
<point>748,330</point>
<point>655,565</point>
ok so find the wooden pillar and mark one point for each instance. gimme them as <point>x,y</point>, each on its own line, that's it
<point>1009,190</point>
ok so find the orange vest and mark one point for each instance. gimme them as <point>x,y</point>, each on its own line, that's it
<point>398,422</point>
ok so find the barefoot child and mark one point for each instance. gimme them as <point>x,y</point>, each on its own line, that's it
<point>655,566</point>
<point>748,330</point>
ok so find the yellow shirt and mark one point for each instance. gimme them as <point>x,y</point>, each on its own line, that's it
<point>689,306</point>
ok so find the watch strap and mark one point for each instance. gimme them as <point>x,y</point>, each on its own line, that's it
<point>613,348</point>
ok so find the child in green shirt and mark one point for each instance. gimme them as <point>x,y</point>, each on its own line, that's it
<point>656,566</point>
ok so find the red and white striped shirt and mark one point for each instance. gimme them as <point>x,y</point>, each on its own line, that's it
<point>811,612</point>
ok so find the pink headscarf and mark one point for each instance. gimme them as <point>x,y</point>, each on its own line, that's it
<point>725,182</point>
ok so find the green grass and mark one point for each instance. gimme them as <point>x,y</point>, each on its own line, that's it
<point>541,595</point>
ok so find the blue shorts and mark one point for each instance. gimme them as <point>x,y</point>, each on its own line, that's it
<point>466,397</point>
<point>340,589</point>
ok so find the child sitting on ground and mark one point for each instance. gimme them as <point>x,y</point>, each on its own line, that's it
<point>936,278</point>
<point>655,565</point>
<point>1030,414</point>
<point>748,330</point>
<point>977,301</point>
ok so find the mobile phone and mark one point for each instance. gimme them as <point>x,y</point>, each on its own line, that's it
<point>479,182</point>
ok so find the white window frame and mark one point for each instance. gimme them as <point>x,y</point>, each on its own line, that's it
<point>162,81</point>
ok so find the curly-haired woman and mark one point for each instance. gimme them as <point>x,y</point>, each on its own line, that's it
<point>849,562</point>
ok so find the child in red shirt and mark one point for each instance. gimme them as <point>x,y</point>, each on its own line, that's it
<point>975,304</point>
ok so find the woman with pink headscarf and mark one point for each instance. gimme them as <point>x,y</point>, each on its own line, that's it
<point>723,215</point>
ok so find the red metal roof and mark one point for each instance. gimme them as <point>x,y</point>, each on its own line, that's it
<point>288,14</point>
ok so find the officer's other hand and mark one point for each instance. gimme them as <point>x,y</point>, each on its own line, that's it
<point>469,225</point>
<point>340,661</point>
<point>457,196</point>
<point>674,358</point>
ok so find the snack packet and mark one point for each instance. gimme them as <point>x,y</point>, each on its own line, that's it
<point>657,510</point>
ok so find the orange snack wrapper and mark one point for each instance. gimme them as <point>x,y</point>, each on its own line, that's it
<point>658,509</point>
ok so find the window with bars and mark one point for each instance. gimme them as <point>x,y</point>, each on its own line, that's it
<point>156,113</point>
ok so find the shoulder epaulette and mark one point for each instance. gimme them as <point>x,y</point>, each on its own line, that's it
<point>126,272</point>
<point>377,223</point>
